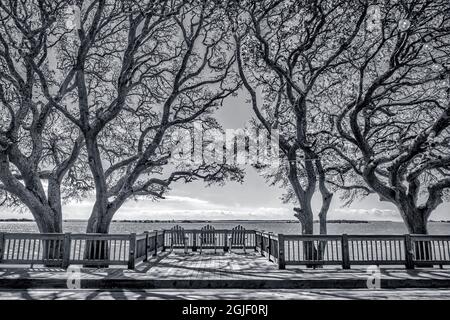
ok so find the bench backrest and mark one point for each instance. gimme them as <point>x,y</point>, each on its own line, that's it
<point>238,235</point>
<point>208,234</point>
<point>178,236</point>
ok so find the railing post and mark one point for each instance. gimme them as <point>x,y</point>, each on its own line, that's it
<point>345,252</point>
<point>66,250</point>
<point>146,246</point>
<point>261,243</point>
<point>281,258</point>
<point>256,245</point>
<point>2,245</point>
<point>409,259</point>
<point>132,249</point>
<point>164,241</point>
<point>155,253</point>
<point>225,241</point>
<point>268,245</point>
<point>194,240</point>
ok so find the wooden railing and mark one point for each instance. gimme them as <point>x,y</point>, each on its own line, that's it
<point>267,245</point>
<point>368,249</point>
<point>312,250</point>
<point>430,249</point>
<point>149,244</point>
<point>193,239</point>
<point>348,250</point>
<point>31,248</point>
<point>89,250</point>
<point>101,250</point>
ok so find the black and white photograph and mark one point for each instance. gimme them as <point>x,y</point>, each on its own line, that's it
<point>252,151</point>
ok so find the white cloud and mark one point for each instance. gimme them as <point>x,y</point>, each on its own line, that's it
<point>184,207</point>
<point>223,213</point>
<point>186,200</point>
<point>365,214</point>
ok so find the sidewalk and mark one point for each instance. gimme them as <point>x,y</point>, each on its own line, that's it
<point>225,294</point>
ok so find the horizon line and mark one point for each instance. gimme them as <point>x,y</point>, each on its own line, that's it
<point>213,220</point>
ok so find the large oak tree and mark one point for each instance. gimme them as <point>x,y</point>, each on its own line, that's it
<point>393,110</point>
<point>38,147</point>
<point>123,76</point>
<point>285,51</point>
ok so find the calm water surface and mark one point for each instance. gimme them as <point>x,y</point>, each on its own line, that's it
<point>376,227</point>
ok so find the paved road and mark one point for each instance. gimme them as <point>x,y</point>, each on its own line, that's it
<point>223,294</point>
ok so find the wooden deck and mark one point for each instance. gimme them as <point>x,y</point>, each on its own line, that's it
<point>220,266</point>
<point>221,271</point>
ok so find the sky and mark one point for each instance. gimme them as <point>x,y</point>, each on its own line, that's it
<point>253,199</point>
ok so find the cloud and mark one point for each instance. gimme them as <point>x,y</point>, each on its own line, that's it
<point>185,200</point>
<point>184,207</point>
<point>365,214</point>
<point>224,213</point>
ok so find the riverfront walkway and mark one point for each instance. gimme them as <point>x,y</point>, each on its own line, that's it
<point>220,271</point>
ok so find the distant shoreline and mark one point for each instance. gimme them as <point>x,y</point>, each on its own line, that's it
<point>343,221</point>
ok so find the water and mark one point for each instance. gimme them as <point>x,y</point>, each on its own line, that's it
<point>374,227</point>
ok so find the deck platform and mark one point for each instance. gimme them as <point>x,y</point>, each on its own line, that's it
<point>220,271</point>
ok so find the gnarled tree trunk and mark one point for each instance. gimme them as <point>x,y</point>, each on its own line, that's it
<point>99,224</point>
<point>416,223</point>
